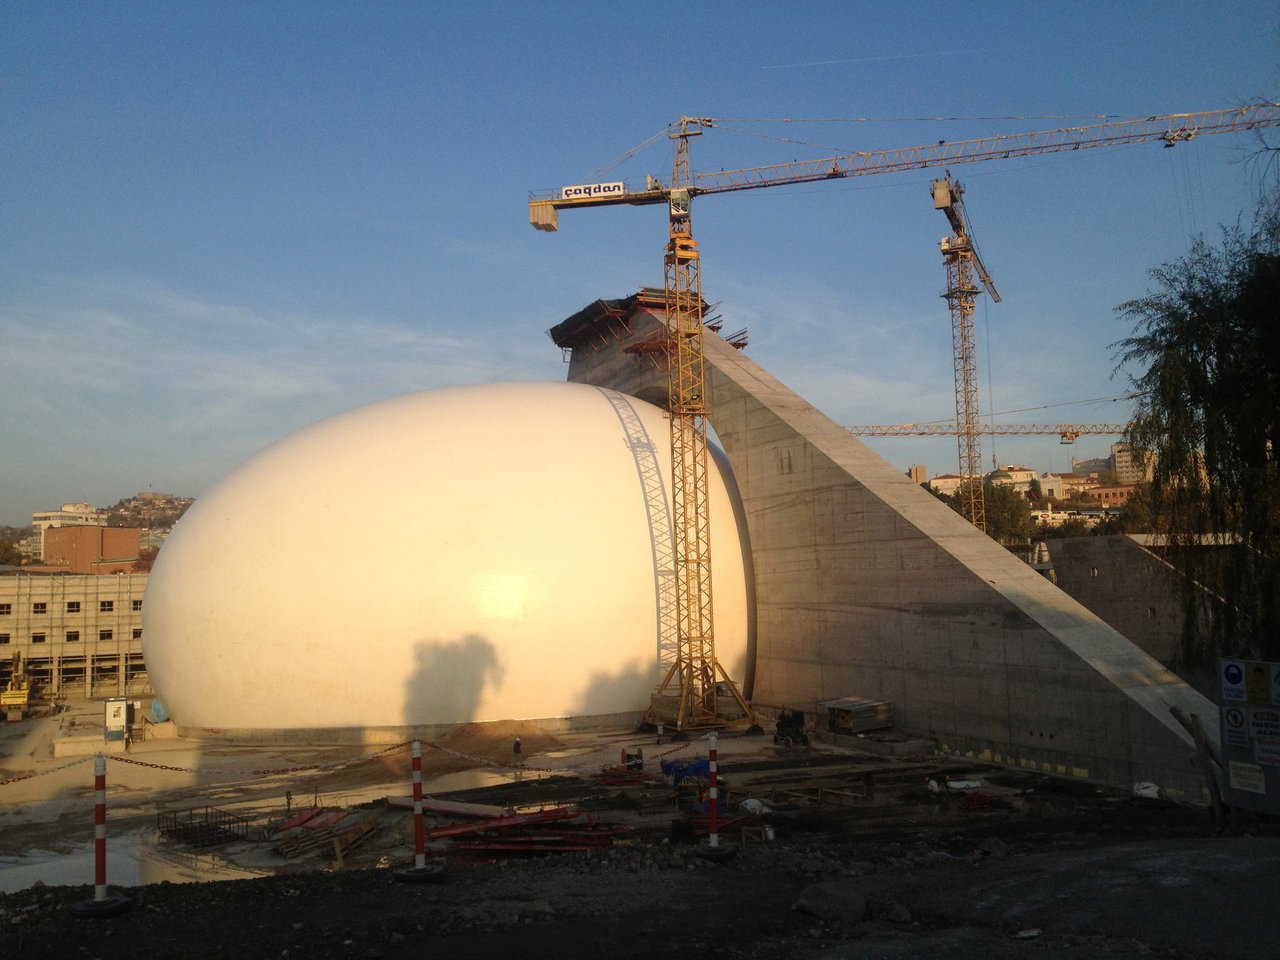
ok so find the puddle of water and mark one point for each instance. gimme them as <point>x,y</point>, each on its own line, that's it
<point>139,857</point>
<point>132,859</point>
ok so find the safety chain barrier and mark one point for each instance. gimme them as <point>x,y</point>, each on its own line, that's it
<point>45,773</point>
<point>269,771</point>
<point>676,749</point>
<point>520,767</point>
<point>276,771</point>
<point>153,766</point>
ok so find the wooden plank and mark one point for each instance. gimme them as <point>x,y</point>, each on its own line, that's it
<point>327,819</point>
<point>455,808</point>
<point>502,824</point>
<point>299,819</point>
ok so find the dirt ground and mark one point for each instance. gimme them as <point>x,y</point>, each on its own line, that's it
<point>1022,867</point>
<point>923,897</point>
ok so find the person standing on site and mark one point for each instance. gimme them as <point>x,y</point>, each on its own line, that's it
<point>516,750</point>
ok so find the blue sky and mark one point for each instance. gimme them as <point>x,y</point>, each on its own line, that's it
<point>223,222</point>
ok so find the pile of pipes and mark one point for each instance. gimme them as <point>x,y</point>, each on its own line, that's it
<point>478,828</point>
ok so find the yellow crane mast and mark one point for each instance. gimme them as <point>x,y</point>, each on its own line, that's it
<point>960,255</point>
<point>687,694</point>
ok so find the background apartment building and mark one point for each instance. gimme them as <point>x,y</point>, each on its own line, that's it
<point>1129,466</point>
<point>1113,495</point>
<point>90,550</point>
<point>1014,476</point>
<point>78,636</point>
<point>1064,486</point>
<point>68,515</point>
<point>948,483</point>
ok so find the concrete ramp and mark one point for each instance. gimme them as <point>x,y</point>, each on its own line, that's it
<point>866,585</point>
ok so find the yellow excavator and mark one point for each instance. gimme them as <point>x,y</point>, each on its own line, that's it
<point>16,696</point>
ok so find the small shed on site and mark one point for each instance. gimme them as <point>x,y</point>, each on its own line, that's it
<point>850,715</point>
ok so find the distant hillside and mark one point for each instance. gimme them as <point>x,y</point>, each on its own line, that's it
<point>1096,465</point>
<point>157,511</point>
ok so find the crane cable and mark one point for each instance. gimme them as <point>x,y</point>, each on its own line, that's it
<point>991,390</point>
<point>650,140</point>
<point>1026,116</point>
<point>642,145</point>
<point>1044,406</point>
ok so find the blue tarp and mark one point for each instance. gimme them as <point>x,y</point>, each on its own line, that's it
<point>678,770</point>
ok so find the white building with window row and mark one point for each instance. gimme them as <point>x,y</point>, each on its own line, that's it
<point>79,636</point>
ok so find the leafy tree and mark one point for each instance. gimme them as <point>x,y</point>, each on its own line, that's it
<point>1074,527</point>
<point>1008,513</point>
<point>1208,343</point>
<point>9,555</point>
<point>1036,493</point>
<point>146,559</point>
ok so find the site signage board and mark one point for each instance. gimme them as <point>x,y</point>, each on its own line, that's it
<point>1235,726</point>
<point>1231,672</point>
<point>592,191</point>
<point>1267,752</point>
<point>1264,723</point>
<point>1247,777</point>
<point>1257,681</point>
<point>1249,693</point>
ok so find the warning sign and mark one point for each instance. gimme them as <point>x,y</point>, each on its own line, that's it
<point>1232,674</point>
<point>1235,727</point>
<point>1257,681</point>
<point>1267,751</point>
<point>1264,723</point>
<point>1247,777</point>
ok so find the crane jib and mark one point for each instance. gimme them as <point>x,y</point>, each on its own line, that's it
<point>1168,128</point>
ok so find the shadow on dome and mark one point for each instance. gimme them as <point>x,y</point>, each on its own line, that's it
<point>613,693</point>
<point>448,680</point>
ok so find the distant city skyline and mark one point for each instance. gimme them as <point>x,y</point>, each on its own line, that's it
<point>223,224</point>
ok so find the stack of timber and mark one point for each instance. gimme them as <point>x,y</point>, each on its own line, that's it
<point>317,829</point>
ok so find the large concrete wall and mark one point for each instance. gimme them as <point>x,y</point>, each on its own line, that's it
<point>868,586</point>
<point>1136,591</point>
<point>1126,585</point>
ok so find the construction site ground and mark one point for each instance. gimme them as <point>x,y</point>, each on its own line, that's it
<point>1017,865</point>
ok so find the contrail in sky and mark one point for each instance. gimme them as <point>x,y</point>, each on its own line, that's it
<point>896,56</point>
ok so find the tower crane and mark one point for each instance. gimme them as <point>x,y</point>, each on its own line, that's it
<point>696,676</point>
<point>960,255</point>
<point>1067,432</point>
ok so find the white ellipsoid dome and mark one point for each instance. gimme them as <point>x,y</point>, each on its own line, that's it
<point>462,554</point>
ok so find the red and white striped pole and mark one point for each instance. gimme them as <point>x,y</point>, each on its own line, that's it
<point>419,831</point>
<point>714,828</point>
<point>419,872</point>
<point>102,904</point>
<point>99,828</point>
